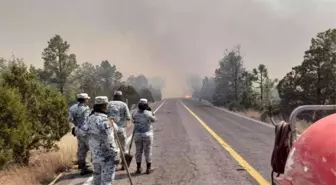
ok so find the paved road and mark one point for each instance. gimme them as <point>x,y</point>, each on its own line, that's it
<point>253,141</point>
<point>186,153</point>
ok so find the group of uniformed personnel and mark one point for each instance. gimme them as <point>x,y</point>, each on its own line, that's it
<point>96,131</point>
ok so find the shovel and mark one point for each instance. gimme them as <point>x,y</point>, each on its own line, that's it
<point>129,156</point>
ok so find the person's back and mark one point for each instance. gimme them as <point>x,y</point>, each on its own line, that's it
<point>98,133</point>
<point>119,110</point>
<point>78,113</point>
<point>142,120</point>
<point>143,134</point>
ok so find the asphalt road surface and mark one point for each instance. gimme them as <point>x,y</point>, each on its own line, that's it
<point>198,144</point>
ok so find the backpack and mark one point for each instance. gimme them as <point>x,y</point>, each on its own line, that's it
<point>282,147</point>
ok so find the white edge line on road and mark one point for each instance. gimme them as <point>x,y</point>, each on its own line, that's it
<point>89,180</point>
<point>245,117</point>
<point>159,107</point>
<point>248,118</point>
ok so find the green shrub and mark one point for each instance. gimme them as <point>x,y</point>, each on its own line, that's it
<point>46,108</point>
<point>15,128</point>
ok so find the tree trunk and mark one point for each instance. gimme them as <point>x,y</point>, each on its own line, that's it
<point>21,155</point>
<point>318,86</point>
<point>61,88</point>
<point>261,87</point>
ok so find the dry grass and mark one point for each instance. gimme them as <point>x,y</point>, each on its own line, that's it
<point>301,125</point>
<point>44,166</point>
<point>251,113</point>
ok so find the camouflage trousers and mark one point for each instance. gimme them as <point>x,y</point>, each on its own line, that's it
<point>104,172</point>
<point>143,145</point>
<point>122,138</point>
<point>82,150</point>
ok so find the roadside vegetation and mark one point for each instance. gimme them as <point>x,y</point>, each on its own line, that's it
<point>43,166</point>
<point>254,93</point>
<point>34,142</point>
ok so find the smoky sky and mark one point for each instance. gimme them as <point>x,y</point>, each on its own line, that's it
<point>169,38</point>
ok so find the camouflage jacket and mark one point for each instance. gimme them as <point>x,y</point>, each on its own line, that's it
<point>78,113</point>
<point>119,110</point>
<point>101,137</point>
<point>143,121</point>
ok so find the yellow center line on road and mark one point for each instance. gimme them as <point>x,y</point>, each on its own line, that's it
<point>256,175</point>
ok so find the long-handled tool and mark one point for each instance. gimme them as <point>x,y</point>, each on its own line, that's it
<point>128,156</point>
<point>123,156</point>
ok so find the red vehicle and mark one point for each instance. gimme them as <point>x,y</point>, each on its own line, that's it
<point>308,159</point>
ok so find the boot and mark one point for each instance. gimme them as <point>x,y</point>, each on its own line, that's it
<point>139,169</point>
<point>81,165</point>
<point>149,168</point>
<point>84,169</point>
<point>122,165</point>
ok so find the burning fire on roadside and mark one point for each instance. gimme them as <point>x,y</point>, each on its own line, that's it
<point>187,96</point>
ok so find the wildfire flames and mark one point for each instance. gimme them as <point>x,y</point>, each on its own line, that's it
<point>187,96</point>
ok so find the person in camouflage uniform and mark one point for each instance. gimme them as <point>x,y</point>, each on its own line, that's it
<point>119,112</point>
<point>143,134</point>
<point>102,143</point>
<point>78,113</point>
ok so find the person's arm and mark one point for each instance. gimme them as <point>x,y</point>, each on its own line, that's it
<point>85,126</point>
<point>87,113</point>
<point>113,124</point>
<point>107,136</point>
<point>133,112</point>
<point>70,118</point>
<point>151,117</point>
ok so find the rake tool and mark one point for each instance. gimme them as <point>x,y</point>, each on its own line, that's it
<point>123,156</point>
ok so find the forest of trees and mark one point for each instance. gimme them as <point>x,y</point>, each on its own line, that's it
<point>311,82</point>
<point>34,101</point>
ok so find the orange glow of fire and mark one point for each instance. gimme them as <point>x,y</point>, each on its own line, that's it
<point>187,96</point>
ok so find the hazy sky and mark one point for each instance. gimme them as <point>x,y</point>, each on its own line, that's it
<point>168,38</point>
